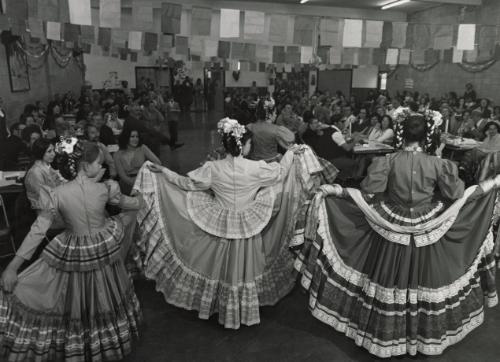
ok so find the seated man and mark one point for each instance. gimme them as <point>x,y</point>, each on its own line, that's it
<point>329,143</point>
<point>14,147</point>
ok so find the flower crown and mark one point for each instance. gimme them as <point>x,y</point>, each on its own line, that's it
<point>231,127</point>
<point>270,108</point>
<point>66,145</point>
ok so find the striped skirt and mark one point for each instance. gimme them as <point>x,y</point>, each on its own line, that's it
<point>395,293</point>
<point>75,303</point>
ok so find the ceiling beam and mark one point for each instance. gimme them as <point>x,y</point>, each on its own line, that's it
<point>454,2</point>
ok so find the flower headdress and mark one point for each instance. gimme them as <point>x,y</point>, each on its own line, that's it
<point>68,151</point>
<point>66,145</point>
<point>228,126</point>
<point>433,120</point>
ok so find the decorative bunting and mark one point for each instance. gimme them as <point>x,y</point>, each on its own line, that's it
<point>150,41</point>
<point>87,34</point>
<point>335,55</point>
<point>303,30</point>
<point>278,28</point>
<point>48,10</point>
<point>229,23</point>
<point>353,33</point>
<point>418,57</point>
<point>181,45</point>
<point>254,24</point>
<point>53,30</point>
<point>237,50</point>
<point>210,48</point>
<point>201,19</point>
<point>278,54</point>
<point>387,33</point>
<point>135,40</point>
<point>79,12</point>
<point>292,55</point>
<point>110,13</point>
<point>104,37</point>
<point>32,9</point>
<point>142,16</point>
<point>373,34</point>
<point>16,9</point>
<point>64,11</point>
<point>171,18</point>
<point>71,32</point>
<point>399,34</point>
<point>224,49</point>
<point>306,55</point>
<point>458,55</point>
<point>36,28</point>
<point>442,36</point>
<point>263,53</point>
<point>404,56</point>
<point>466,36</point>
<point>329,32</point>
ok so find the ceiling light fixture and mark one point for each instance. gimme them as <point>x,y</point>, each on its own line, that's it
<point>395,3</point>
<point>303,1</point>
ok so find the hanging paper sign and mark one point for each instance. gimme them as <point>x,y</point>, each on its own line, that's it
<point>79,12</point>
<point>278,28</point>
<point>329,31</point>
<point>466,36</point>
<point>373,34</point>
<point>353,33</point>
<point>306,55</point>
<point>404,56</point>
<point>442,36</point>
<point>229,23</point>
<point>254,24</point>
<point>303,30</point>
<point>399,34</point>
<point>53,30</point>
<point>171,18</point>
<point>135,40</point>
<point>110,13</point>
<point>142,16</point>
<point>201,20</point>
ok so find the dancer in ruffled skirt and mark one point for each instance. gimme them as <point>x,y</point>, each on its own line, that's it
<point>75,303</point>
<point>217,241</point>
<point>407,270</point>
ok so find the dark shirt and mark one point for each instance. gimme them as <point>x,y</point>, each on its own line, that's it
<point>106,136</point>
<point>323,144</point>
<point>14,147</point>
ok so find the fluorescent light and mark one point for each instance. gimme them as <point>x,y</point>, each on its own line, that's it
<point>395,3</point>
<point>303,1</point>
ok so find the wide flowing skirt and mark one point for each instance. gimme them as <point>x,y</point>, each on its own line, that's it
<point>231,277</point>
<point>75,303</point>
<point>393,293</point>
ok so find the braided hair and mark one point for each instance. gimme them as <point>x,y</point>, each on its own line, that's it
<point>421,128</point>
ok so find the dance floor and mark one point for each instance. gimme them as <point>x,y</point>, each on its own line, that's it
<point>287,331</point>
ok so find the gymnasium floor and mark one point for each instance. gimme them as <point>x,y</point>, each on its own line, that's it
<point>287,331</point>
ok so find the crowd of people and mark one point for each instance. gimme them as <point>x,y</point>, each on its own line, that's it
<point>404,264</point>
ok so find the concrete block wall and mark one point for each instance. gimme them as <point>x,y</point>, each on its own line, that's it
<point>450,77</point>
<point>44,82</point>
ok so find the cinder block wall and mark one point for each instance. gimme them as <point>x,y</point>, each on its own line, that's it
<point>45,82</point>
<point>450,77</point>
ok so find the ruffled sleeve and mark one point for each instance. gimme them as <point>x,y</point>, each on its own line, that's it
<point>377,175</point>
<point>450,185</point>
<point>284,136</point>
<point>115,197</point>
<point>49,205</point>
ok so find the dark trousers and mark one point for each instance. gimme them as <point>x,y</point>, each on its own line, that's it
<point>172,129</point>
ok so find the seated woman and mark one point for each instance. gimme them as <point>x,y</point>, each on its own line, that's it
<point>470,166</point>
<point>410,269</point>
<point>76,302</point>
<point>267,136</point>
<point>41,175</point>
<point>217,240</point>
<point>130,158</point>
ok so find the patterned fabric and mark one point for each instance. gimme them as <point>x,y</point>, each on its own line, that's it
<point>393,299</point>
<point>72,252</point>
<point>228,223</point>
<point>98,326</point>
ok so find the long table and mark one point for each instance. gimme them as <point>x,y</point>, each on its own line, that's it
<point>372,148</point>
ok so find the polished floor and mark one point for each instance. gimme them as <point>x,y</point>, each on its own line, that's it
<point>287,331</point>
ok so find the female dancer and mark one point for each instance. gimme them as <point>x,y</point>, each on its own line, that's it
<point>217,240</point>
<point>76,302</point>
<point>409,270</point>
